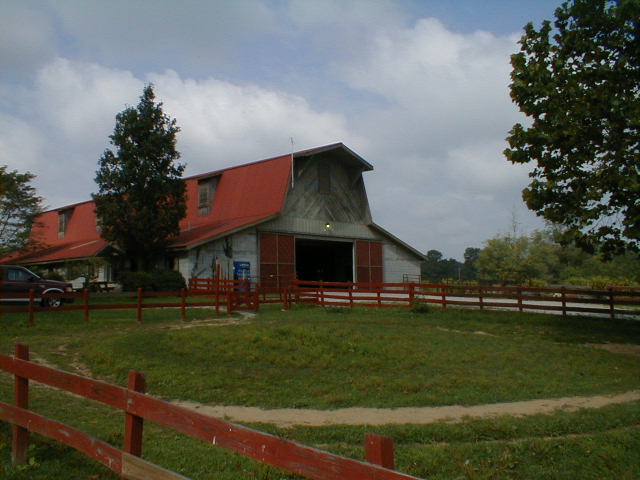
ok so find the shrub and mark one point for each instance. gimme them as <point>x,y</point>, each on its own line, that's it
<point>131,281</point>
<point>537,283</point>
<point>156,281</point>
<point>167,280</point>
<point>600,282</point>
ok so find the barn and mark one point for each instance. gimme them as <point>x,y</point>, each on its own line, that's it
<point>305,215</point>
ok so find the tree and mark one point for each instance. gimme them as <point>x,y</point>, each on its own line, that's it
<point>19,208</point>
<point>141,195</point>
<point>437,269</point>
<point>581,90</point>
<point>517,259</point>
<point>469,269</point>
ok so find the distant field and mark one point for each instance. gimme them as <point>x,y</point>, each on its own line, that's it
<point>334,358</point>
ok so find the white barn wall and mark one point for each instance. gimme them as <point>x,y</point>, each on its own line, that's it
<point>397,262</point>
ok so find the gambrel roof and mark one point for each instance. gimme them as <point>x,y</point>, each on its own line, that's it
<point>245,196</point>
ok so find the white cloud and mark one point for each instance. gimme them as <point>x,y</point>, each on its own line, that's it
<point>80,99</point>
<point>441,87</point>
<point>481,167</point>
<point>224,123</point>
<point>21,145</point>
<point>439,133</point>
<point>71,112</point>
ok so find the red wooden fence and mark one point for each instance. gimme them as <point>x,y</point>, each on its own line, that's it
<point>287,455</point>
<point>244,295</point>
<point>230,294</point>
<point>610,302</point>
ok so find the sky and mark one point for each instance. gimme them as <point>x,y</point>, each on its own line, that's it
<point>418,88</point>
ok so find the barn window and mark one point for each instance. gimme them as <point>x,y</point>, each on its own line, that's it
<point>324,178</point>
<point>63,221</point>
<point>206,192</point>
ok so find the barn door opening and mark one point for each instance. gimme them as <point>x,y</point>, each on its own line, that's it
<point>324,261</point>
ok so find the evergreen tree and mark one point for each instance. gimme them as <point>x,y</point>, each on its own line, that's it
<point>141,195</point>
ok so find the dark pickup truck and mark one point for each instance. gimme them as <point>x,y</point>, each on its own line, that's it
<point>15,279</point>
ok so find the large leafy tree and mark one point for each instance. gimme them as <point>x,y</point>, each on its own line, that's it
<point>19,208</point>
<point>141,195</point>
<point>579,84</point>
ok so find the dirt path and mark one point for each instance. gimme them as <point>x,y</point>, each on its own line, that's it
<point>288,417</point>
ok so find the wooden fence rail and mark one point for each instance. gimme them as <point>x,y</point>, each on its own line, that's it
<point>244,295</point>
<point>285,454</point>
<point>608,302</point>
<point>230,294</point>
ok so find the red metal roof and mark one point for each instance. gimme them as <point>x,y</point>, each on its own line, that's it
<point>81,239</point>
<point>245,195</point>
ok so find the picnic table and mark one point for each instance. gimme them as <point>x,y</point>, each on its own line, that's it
<point>102,286</point>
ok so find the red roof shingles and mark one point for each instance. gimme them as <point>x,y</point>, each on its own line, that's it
<point>245,195</point>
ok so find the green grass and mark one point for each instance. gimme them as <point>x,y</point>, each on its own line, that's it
<point>363,358</point>
<point>336,358</point>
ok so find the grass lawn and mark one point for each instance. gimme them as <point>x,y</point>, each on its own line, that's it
<point>334,358</point>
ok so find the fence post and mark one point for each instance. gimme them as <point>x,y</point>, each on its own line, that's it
<point>443,291</point>
<point>217,284</point>
<point>255,295</point>
<point>379,450</point>
<point>378,288</point>
<point>412,294</point>
<point>183,305</point>
<point>133,424</point>
<point>32,299</point>
<point>285,298</point>
<point>480,297</point>
<point>564,301</point>
<point>20,438</point>
<point>139,305</point>
<point>85,303</point>
<point>519,293</point>
<point>229,300</point>
<point>612,310</point>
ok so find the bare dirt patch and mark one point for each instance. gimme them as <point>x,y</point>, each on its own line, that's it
<point>619,348</point>
<point>477,332</point>
<point>211,322</point>
<point>288,417</point>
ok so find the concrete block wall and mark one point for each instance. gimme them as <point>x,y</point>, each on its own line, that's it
<point>201,261</point>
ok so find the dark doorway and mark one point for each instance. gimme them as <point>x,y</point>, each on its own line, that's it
<point>321,260</point>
